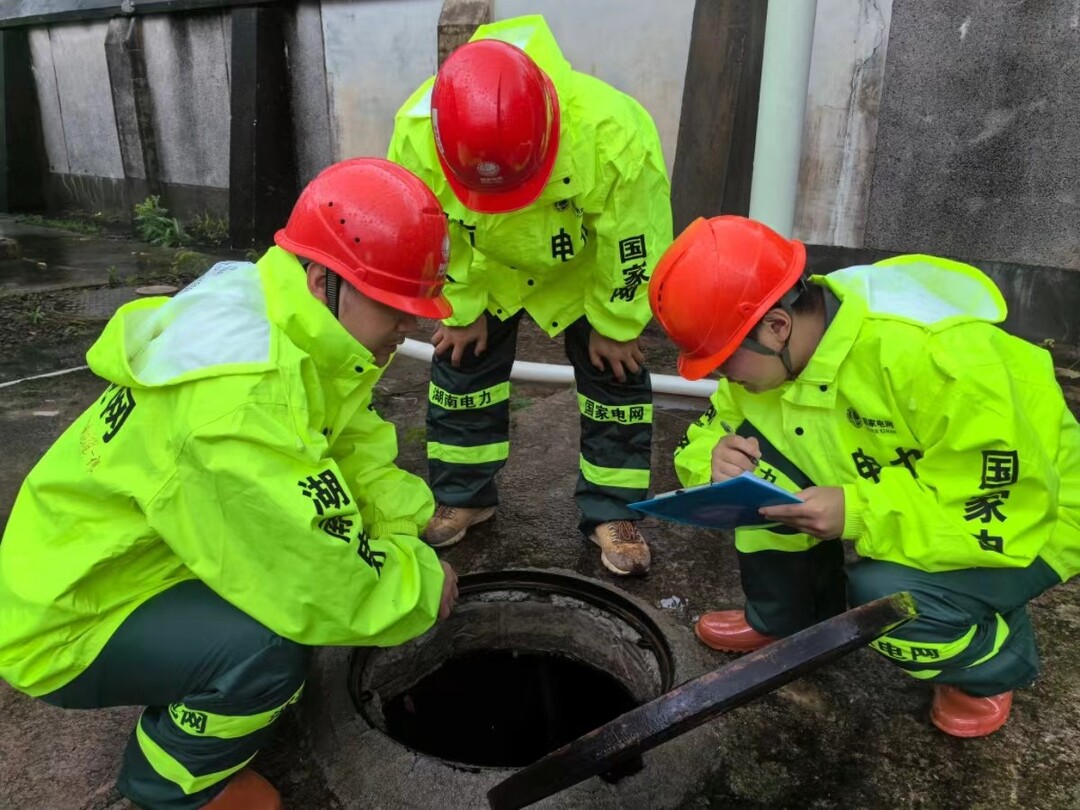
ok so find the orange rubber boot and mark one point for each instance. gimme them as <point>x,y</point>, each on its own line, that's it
<point>727,630</point>
<point>962,715</point>
<point>246,791</point>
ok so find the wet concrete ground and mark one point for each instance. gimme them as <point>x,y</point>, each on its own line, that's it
<point>854,734</point>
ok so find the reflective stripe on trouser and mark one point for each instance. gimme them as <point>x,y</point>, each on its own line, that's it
<point>616,434</point>
<point>972,630</point>
<point>788,591</point>
<point>214,681</point>
<point>469,416</point>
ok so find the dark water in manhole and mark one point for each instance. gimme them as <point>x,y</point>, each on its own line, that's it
<point>503,708</point>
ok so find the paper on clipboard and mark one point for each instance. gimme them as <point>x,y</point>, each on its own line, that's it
<point>724,505</point>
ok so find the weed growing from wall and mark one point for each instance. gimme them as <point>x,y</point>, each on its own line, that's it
<point>154,225</point>
<point>208,229</point>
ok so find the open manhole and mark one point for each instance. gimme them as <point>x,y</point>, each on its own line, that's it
<point>527,662</point>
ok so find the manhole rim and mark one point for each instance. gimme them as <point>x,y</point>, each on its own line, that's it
<point>588,591</point>
<point>592,592</point>
<point>611,601</point>
<point>359,759</point>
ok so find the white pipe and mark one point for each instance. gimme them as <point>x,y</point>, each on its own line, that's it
<point>561,375</point>
<point>785,75</point>
<point>43,376</point>
<point>522,371</point>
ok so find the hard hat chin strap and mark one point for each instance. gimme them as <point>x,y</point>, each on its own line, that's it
<point>783,354</point>
<point>786,303</point>
<point>333,288</point>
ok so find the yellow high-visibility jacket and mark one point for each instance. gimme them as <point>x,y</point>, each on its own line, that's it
<point>951,438</point>
<point>588,244</point>
<point>236,444</point>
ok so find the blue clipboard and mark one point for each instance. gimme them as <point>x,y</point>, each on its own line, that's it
<point>724,505</point>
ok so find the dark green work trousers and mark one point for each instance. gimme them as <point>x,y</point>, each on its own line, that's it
<point>213,681</point>
<point>468,424</point>
<point>972,631</point>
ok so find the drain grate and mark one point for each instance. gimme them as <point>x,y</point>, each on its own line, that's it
<point>100,304</point>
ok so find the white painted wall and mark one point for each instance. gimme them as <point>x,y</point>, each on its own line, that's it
<point>187,64</point>
<point>377,53</point>
<point>355,61</point>
<point>52,120</point>
<point>847,70</point>
<point>637,46</point>
<point>76,103</point>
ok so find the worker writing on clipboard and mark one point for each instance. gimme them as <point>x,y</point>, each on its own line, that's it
<point>908,423</point>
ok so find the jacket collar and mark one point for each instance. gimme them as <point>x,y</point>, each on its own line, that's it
<point>308,323</point>
<point>835,345</point>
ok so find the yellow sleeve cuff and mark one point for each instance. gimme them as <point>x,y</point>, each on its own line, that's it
<point>853,514</point>
<point>381,528</point>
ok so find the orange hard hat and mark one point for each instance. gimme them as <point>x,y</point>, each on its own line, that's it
<point>715,282</point>
<point>380,228</point>
<point>495,117</point>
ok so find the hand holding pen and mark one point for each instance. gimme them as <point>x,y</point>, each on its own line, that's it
<point>733,455</point>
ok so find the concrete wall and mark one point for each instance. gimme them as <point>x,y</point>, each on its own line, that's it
<point>945,126</point>
<point>637,46</point>
<point>353,64</point>
<point>312,132</point>
<point>187,65</point>
<point>76,104</point>
<point>376,54</point>
<point>847,69</point>
<point>977,152</point>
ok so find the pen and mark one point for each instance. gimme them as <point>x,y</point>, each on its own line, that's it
<point>727,429</point>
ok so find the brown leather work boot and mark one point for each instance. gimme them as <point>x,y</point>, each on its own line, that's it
<point>246,791</point>
<point>962,715</point>
<point>728,631</point>
<point>622,548</point>
<point>449,523</point>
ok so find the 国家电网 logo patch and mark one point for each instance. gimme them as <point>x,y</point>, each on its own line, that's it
<point>872,425</point>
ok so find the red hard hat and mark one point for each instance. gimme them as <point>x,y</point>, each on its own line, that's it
<point>715,282</point>
<point>380,228</point>
<point>495,116</point>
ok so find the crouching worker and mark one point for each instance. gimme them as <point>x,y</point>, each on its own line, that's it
<point>231,499</point>
<point>910,424</point>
